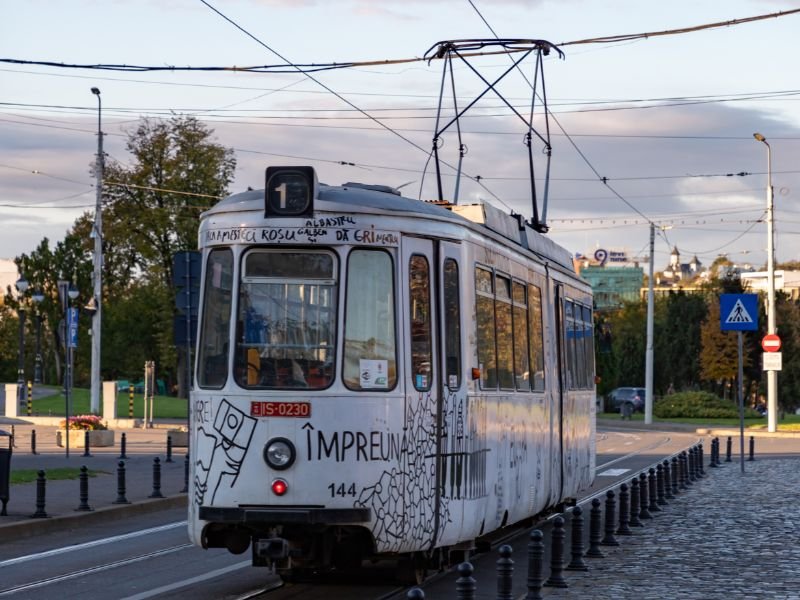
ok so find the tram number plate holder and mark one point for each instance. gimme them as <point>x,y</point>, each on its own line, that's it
<point>280,409</point>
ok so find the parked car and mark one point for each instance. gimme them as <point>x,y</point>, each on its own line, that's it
<point>618,396</point>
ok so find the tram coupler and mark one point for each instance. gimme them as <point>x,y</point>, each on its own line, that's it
<point>270,551</point>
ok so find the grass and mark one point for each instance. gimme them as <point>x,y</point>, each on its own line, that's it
<point>164,407</point>
<point>30,475</point>
<point>788,423</point>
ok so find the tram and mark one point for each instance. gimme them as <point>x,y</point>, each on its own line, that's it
<point>378,376</point>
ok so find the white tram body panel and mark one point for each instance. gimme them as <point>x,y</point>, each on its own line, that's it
<point>430,448</point>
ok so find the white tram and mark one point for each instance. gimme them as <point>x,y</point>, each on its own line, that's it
<point>380,376</point>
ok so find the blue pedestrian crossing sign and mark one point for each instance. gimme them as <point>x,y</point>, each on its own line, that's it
<point>738,312</point>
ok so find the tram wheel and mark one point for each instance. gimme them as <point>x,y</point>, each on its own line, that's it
<point>412,570</point>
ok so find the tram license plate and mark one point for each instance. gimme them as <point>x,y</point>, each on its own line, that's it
<point>280,409</point>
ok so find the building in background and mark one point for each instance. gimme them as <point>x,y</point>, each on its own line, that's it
<point>8,277</point>
<point>787,282</point>
<point>615,278</point>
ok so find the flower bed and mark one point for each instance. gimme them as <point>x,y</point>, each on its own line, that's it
<point>83,422</point>
<point>99,434</point>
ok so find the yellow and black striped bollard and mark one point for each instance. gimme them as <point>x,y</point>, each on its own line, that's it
<point>30,398</point>
<point>130,401</point>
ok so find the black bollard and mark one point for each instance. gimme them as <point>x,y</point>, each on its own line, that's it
<point>505,574</point>
<point>675,472</point>
<point>713,459</point>
<point>13,437</point>
<point>123,446</point>
<point>624,511</point>
<point>41,483</point>
<point>652,491</point>
<point>169,449</point>
<point>644,498</point>
<point>86,452</point>
<point>576,562</point>
<point>667,481</point>
<point>752,448</point>
<point>556,578</point>
<point>415,594</point>
<point>595,530</point>
<point>610,520</point>
<point>185,489</point>
<point>661,498</point>
<point>156,479</point>
<point>465,584</point>
<point>691,457</point>
<point>728,449</point>
<point>536,564</point>
<point>33,441</point>
<point>701,472</point>
<point>121,499</point>
<point>635,503</point>
<point>685,481</point>
<point>697,475</point>
<point>84,490</point>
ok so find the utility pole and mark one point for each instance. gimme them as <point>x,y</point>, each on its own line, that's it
<point>97,232</point>
<point>648,375</point>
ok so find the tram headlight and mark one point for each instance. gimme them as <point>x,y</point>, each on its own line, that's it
<point>279,453</point>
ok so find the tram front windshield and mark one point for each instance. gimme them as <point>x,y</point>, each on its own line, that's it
<point>286,320</point>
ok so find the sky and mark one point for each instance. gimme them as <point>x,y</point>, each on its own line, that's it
<point>650,130</point>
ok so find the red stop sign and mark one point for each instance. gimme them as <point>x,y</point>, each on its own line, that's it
<point>771,343</point>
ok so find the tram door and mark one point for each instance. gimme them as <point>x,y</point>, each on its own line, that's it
<point>422,373</point>
<point>559,392</point>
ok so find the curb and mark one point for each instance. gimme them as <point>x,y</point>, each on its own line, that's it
<point>11,532</point>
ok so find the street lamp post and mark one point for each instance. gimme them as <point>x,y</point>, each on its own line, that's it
<point>97,232</point>
<point>70,324</point>
<point>37,297</point>
<point>22,287</point>
<point>772,376</point>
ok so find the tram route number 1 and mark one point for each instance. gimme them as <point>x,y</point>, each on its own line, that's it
<point>342,490</point>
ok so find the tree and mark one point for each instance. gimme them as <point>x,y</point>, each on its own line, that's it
<point>152,207</point>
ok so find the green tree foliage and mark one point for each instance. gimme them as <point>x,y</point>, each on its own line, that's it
<point>677,340</point>
<point>152,205</point>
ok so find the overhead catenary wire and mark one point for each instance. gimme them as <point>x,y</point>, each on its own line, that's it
<point>289,67</point>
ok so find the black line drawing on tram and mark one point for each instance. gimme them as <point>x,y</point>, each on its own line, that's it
<point>379,376</point>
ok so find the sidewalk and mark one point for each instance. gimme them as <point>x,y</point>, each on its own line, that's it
<point>62,497</point>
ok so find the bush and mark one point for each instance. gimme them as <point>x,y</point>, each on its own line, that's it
<point>84,422</point>
<point>703,405</point>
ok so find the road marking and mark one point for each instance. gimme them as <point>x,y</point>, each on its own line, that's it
<point>100,542</point>
<point>90,570</point>
<point>613,472</point>
<point>186,582</point>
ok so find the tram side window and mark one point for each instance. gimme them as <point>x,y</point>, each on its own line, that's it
<point>286,333</point>
<point>505,334</point>
<point>370,360</point>
<point>484,303</point>
<point>420,319</point>
<point>536,338</point>
<point>212,360</point>
<point>589,340</point>
<point>569,324</point>
<point>521,363</point>
<point>581,378</point>
<point>452,324</point>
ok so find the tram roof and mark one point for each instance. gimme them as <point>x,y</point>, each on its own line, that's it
<point>387,200</point>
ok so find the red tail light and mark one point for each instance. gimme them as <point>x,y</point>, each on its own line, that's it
<point>279,487</point>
